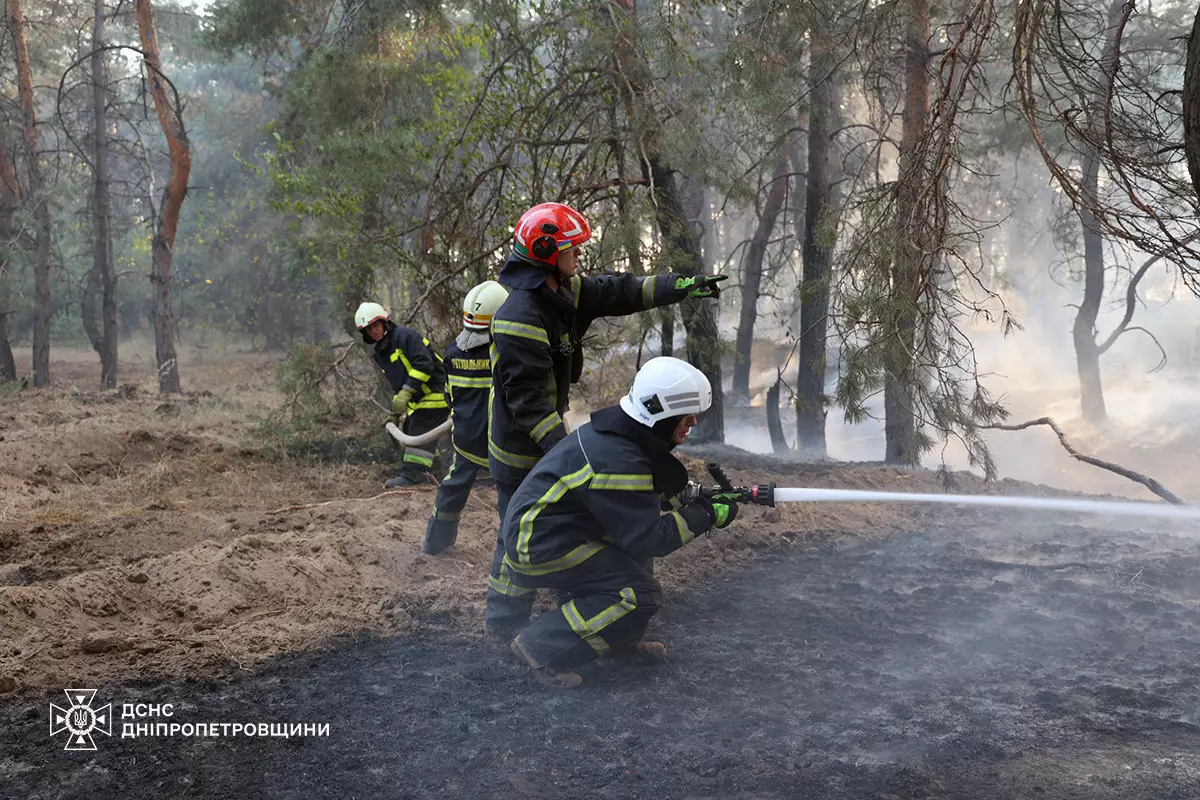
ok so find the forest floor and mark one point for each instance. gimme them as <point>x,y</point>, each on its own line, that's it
<point>148,549</point>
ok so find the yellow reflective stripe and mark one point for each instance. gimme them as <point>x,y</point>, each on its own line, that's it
<point>431,400</point>
<point>589,629</point>
<point>474,459</point>
<point>575,284</point>
<point>470,383</point>
<point>512,459</point>
<point>572,559</point>
<point>395,356</point>
<point>608,616</point>
<point>412,371</point>
<point>410,458</point>
<point>520,329</point>
<point>622,482</point>
<point>579,625</point>
<point>685,533</point>
<point>508,588</point>
<point>504,585</point>
<point>552,495</point>
<point>648,291</point>
<point>551,421</point>
<point>673,501</point>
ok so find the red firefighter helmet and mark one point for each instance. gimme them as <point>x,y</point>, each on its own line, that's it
<point>546,230</point>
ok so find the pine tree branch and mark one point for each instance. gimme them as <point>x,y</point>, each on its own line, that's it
<point>1124,472</point>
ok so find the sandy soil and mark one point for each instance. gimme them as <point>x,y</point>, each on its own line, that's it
<point>148,536</point>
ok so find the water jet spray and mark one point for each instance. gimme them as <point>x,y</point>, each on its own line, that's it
<point>768,494</point>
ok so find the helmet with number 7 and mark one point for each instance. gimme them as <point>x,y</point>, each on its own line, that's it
<point>481,303</point>
<point>546,230</point>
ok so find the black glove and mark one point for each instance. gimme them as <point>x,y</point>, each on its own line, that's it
<point>717,512</point>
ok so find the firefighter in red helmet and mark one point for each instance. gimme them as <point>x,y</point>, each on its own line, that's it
<point>536,356</point>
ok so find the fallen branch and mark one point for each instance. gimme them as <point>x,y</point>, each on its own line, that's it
<point>1137,477</point>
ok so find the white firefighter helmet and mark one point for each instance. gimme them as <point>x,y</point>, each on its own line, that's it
<point>368,313</point>
<point>481,303</point>
<point>666,387</point>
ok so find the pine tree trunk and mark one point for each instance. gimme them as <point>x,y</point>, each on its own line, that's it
<point>699,317</point>
<point>102,266</point>
<point>752,273</point>
<point>37,198</point>
<point>1191,104</point>
<point>900,427</point>
<point>10,199</point>
<point>820,232</point>
<point>171,119</point>
<point>1087,353</point>
<point>667,335</point>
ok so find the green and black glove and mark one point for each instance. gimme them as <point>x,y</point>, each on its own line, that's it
<point>725,509</point>
<point>400,404</point>
<point>701,285</point>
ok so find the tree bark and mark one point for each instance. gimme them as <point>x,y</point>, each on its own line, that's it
<point>752,272</point>
<point>900,429</point>
<point>10,199</point>
<point>37,199</point>
<point>1087,351</point>
<point>678,236</point>
<point>700,317</point>
<point>774,426</point>
<point>820,235</point>
<point>1191,104</point>
<point>170,117</point>
<point>102,266</point>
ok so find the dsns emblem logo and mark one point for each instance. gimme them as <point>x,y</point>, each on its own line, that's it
<point>79,719</point>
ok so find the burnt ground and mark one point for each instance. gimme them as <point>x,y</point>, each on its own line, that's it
<point>973,661</point>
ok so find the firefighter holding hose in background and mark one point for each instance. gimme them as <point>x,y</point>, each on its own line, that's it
<point>537,355</point>
<point>469,380</point>
<point>417,377</point>
<point>591,512</point>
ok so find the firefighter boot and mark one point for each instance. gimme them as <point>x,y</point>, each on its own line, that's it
<point>559,679</point>
<point>440,534</point>
<point>654,651</point>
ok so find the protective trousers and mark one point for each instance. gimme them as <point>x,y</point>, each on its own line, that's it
<point>508,605</point>
<point>418,461</point>
<point>442,530</point>
<point>612,600</point>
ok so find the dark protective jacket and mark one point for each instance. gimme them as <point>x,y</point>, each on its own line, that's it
<point>469,377</point>
<point>408,361</point>
<point>605,485</point>
<point>536,354</point>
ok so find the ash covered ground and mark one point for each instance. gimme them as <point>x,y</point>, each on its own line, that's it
<point>984,657</point>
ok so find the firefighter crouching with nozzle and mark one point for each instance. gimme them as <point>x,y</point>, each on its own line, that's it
<point>469,380</point>
<point>417,377</point>
<point>592,510</point>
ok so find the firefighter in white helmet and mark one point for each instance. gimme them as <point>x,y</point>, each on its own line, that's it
<point>469,378</point>
<point>418,379</point>
<point>591,512</point>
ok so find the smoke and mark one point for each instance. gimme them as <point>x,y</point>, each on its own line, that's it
<point>1034,371</point>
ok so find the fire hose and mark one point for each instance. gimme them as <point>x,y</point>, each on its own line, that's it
<point>768,494</point>
<point>420,439</point>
